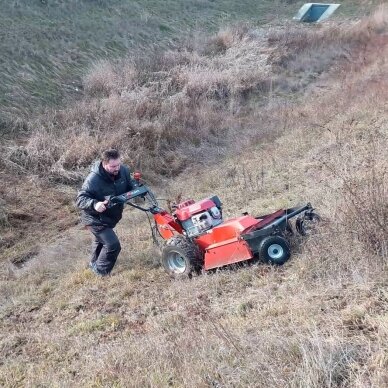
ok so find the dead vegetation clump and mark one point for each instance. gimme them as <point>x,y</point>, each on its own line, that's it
<point>108,78</point>
<point>226,38</point>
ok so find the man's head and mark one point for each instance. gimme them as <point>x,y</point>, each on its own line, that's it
<point>111,161</point>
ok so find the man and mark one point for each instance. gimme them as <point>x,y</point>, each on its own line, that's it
<point>107,177</point>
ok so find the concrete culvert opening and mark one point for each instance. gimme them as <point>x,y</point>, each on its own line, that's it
<point>315,12</point>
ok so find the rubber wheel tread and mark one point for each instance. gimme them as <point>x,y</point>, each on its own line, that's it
<point>271,241</point>
<point>188,250</point>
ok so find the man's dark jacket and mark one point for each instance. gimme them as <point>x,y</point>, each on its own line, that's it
<point>98,185</point>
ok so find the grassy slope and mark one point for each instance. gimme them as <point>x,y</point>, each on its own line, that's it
<point>164,114</point>
<point>47,45</point>
<point>319,321</point>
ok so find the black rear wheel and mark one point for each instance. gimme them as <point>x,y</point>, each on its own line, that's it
<point>181,257</point>
<point>274,250</point>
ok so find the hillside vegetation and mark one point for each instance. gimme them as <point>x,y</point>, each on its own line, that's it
<point>263,117</point>
<point>47,45</point>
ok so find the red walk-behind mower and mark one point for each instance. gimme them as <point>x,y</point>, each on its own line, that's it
<point>197,237</point>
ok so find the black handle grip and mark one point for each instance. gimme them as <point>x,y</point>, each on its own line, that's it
<point>139,191</point>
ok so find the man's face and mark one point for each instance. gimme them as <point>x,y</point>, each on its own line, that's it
<point>112,167</point>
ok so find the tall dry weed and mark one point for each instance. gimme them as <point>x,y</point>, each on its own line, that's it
<point>102,81</point>
<point>365,213</point>
<point>377,22</point>
<point>226,38</point>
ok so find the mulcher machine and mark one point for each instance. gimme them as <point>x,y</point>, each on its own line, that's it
<point>197,237</point>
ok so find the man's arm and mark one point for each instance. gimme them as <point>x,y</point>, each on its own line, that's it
<point>86,198</point>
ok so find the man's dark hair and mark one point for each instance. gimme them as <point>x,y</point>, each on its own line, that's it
<point>108,155</point>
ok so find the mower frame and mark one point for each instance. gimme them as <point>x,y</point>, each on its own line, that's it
<point>235,240</point>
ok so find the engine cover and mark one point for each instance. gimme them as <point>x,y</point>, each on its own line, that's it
<point>186,212</point>
<point>198,217</point>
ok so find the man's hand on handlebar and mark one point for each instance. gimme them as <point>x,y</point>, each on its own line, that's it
<point>101,206</point>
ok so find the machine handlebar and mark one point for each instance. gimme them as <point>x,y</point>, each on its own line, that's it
<point>138,192</point>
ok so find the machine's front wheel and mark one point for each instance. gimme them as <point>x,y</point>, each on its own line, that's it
<point>181,257</point>
<point>274,250</point>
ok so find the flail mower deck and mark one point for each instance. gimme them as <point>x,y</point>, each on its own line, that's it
<point>196,236</point>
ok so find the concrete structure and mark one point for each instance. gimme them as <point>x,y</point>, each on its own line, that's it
<point>315,12</point>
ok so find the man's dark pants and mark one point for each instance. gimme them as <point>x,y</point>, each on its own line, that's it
<point>105,248</point>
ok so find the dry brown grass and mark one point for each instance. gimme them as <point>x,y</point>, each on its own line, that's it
<point>162,111</point>
<point>319,321</point>
<point>165,109</point>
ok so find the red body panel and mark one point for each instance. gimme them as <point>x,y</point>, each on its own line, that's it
<point>226,252</point>
<point>167,226</point>
<point>226,231</point>
<point>185,212</point>
<point>185,203</point>
<point>223,245</point>
<point>265,220</point>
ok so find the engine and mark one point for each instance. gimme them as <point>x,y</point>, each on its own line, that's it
<point>198,217</point>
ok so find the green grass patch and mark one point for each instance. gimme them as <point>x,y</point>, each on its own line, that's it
<point>110,322</point>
